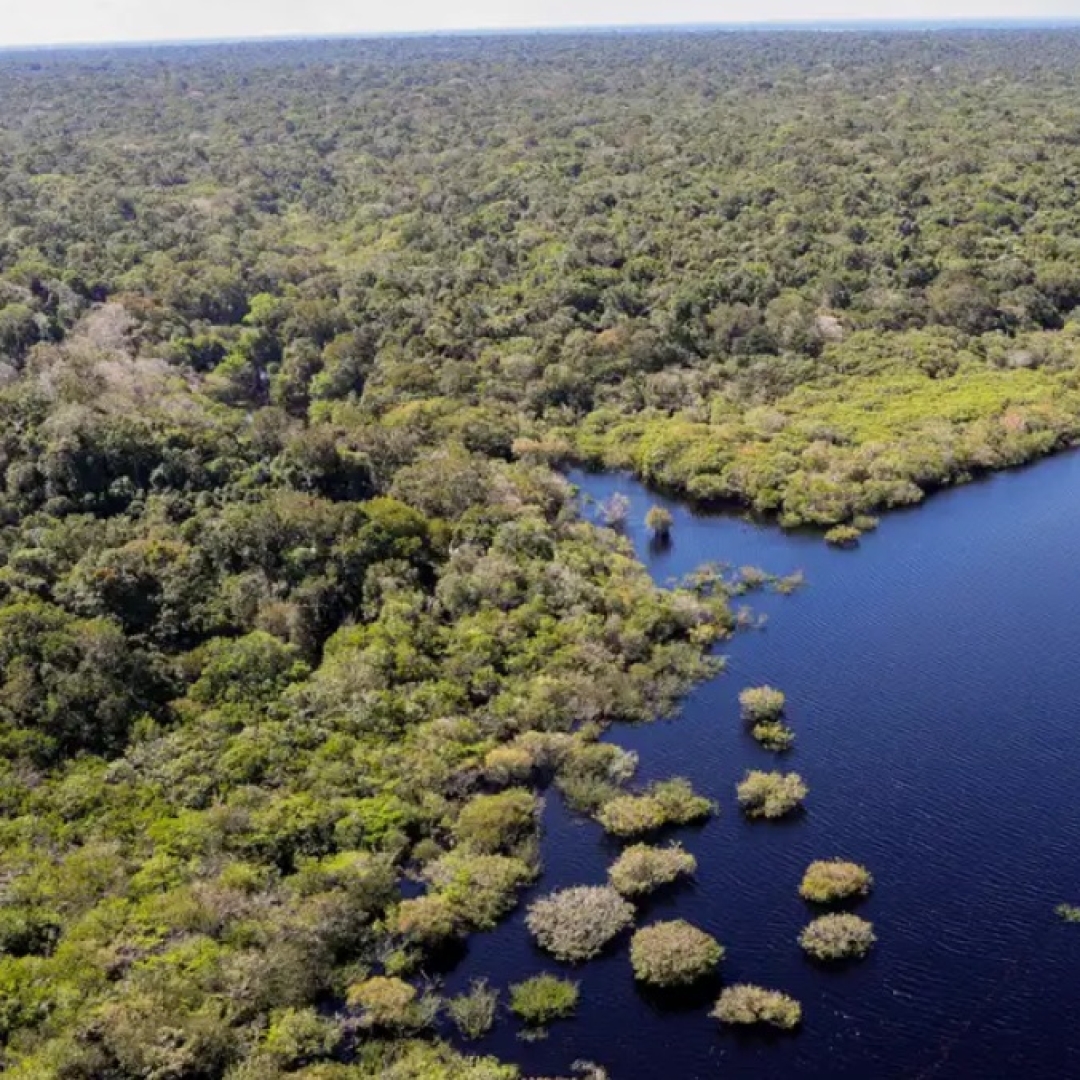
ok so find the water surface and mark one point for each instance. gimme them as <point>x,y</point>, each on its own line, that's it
<point>933,678</point>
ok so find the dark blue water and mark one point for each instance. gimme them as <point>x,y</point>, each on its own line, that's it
<point>933,677</point>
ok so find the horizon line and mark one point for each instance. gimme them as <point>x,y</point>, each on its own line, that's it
<point>797,25</point>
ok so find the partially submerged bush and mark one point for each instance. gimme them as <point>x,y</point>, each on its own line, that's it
<point>543,998</point>
<point>659,522</point>
<point>747,1004</point>
<point>681,804</point>
<point>642,868</point>
<point>673,953</point>
<point>838,937</point>
<point>667,802</point>
<point>497,823</point>
<point>615,510</point>
<point>473,1013</point>
<point>829,880</point>
<point>774,735</point>
<point>760,704</point>
<point>632,815</point>
<point>1069,913</point>
<point>843,536</point>
<point>575,924</point>
<point>771,794</point>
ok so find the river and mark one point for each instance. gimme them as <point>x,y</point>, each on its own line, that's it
<point>933,679</point>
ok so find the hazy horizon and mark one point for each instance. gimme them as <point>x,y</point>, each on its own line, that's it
<point>130,22</point>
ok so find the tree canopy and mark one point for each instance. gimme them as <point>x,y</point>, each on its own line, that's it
<point>296,617</point>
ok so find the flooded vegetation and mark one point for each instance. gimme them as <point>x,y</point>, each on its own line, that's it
<point>929,717</point>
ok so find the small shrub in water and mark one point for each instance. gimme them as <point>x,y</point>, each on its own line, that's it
<point>473,1013</point>
<point>1069,913</point>
<point>789,584</point>
<point>830,880</point>
<point>838,937</point>
<point>659,522</point>
<point>843,536</point>
<point>761,704</point>
<point>673,954</point>
<point>642,868</point>
<point>747,1004</point>
<point>614,511</point>
<point>543,998</point>
<point>771,794</point>
<point>774,735</point>
<point>750,578</point>
<point>575,924</point>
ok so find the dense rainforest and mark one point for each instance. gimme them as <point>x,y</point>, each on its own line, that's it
<point>298,618</point>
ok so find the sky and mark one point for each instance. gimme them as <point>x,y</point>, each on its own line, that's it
<point>77,21</point>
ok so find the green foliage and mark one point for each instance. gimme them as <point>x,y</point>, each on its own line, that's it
<point>414,1060</point>
<point>28,930</point>
<point>837,937</point>
<point>1069,913</point>
<point>508,764</point>
<point>384,1002</point>
<point>479,889</point>
<point>543,998</point>
<point>673,954</point>
<point>761,704</point>
<point>642,869</point>
<point>590,774</point>
<point>299,1037</point>
<point>666,802</point>
<point>843,536</point>
<point>681,805</point>
<point>744,1004</point>
<point>659,521</point>
<point>632,815</point>
<point>428,920</point>
<point>253,670</point>
<point>771,794</point>
<point>774,735</point>
<point>67,684</point>
<point>829,880</point>
<point>473,1012</point>
<point>492,823</point>
<point>291,601</point>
